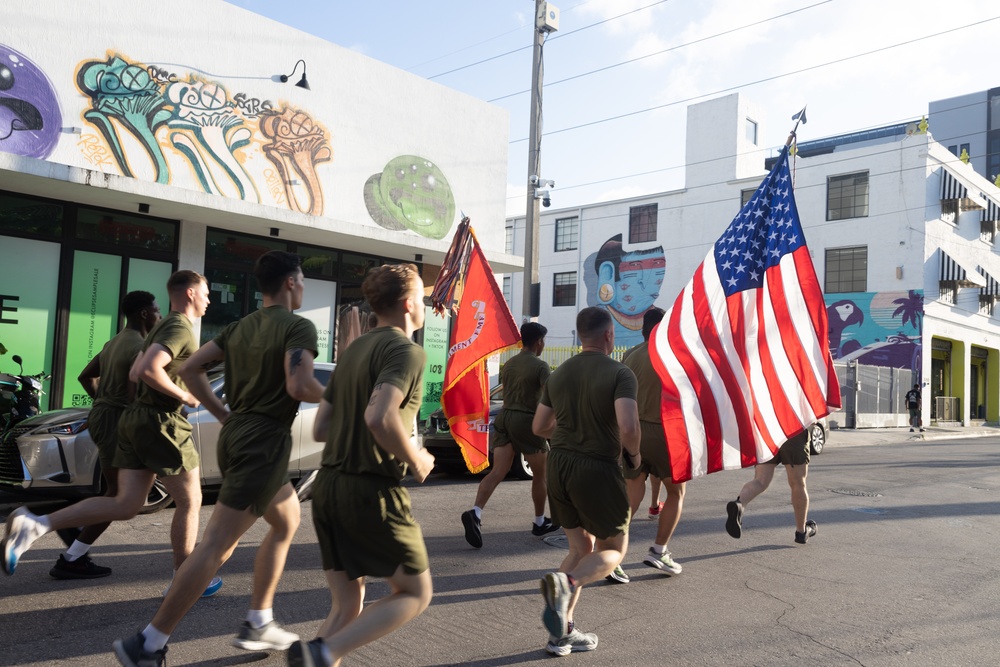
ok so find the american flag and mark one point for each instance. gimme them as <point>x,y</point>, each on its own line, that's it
<point>744,353</point>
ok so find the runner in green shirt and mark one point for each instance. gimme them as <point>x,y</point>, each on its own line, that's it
<point>269,369</point>
<point>364,523</point>
<point>105,379</point>
<point>588,413</point>
<point>523,377</point>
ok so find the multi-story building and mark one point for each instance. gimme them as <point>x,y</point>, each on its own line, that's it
<point>136,140</point>
<point>900,230</point>
<point>971,124</point>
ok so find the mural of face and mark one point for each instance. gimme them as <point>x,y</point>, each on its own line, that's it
<point>411,193</point>
<point>30,120</point>
<point>628,284</point>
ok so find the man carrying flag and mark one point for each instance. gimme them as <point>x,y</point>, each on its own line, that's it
<point>743,353</point>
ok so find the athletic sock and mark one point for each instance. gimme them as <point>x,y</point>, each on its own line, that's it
<point>659,549</point>
<point>479,512</point>
<point>539,520</point>
<point>258,618</point>
<point>155,640</point>
<point>76,550</point>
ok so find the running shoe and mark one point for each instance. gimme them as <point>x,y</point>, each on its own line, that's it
<point>662,562</point>
<point>734,524</point>
<point>802,538</point>
<point>130,652</point>
<point>270,637</point>
<point>81,568</point>
<point>544,529</point>
<point>654,510</point>
<point>571,643</point>
<point>473,529</point>
<point>309,654</point>
<point>618,576</point>
<point>21,531</point>
<point>213,587</point>
<point>557,592</point>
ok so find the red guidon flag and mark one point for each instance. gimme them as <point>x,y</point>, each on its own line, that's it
<point>744,352</point>
<point>482,327</point>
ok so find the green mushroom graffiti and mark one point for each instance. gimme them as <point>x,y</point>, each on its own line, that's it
<point>411,193</point>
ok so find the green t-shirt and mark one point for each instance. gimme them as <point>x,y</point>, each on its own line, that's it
<point>117,358</point>
<point>255,350</point>
<point>175,333</point>
<point>582,392</point>
<point>386,355</point>
<point>523,378</point>
<point>650,388</point>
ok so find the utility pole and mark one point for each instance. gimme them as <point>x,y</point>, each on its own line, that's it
<point>543,26</point>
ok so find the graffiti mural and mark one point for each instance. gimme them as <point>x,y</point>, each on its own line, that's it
<point>877,328</point>
<point>627,283</point>
<point>411,193</point>
<point>297,146</point>
<point>152,121</point>
<point>30,120</point>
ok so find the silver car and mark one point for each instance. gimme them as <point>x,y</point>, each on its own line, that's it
<point>52,454</point>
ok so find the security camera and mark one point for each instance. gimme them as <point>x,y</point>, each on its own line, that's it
<point>546,183</point>
<point>533,179</point>
<point>546,202</point>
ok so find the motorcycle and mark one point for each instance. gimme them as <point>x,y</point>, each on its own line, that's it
<point>20,395</point>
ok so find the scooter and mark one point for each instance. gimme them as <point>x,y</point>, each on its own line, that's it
<point>20,395</point>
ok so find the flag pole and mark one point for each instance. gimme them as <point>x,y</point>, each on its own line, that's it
<point>800,117</point>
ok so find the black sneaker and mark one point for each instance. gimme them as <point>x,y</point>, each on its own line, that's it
<point>802,538</point>
<point>473,529</point>
<point>544,529</point>
<point>308,654</point>
<point>131,654</point>
<point>69,535</point>
<point>734,524</point>
<point>81,568</point>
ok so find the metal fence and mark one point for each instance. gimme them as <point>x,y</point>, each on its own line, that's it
<point>872,396</point>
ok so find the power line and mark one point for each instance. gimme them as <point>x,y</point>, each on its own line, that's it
<point>764,80</point>
<point>668,50</point>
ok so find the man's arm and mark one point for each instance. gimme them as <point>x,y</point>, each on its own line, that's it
<point>544,423</point>
<point>383,420</point>
<point>90,375</point>
<point>321,424</point>
<point>150,366</point>
<point>300,382</point>
<point>194,372</point>
<point>627,414</point>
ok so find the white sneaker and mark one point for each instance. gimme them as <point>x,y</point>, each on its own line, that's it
<point>21,531</point>
<point>268,638</point>
<point>662,562</point>
<point>573,642</point>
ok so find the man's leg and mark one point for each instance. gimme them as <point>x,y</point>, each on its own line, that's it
<point>185,489</point>
<point>410,594</point>
<point>800,496</point>
<point>762,475</point>
<point>222,534</point>
<point>538,494</point>
<point>636,491</point>
<point>671,514</point>
<point>590,559</point>
<point>90,533</point>
<point>503,457</point>
<point>283,516</point>
<point>348,600</point>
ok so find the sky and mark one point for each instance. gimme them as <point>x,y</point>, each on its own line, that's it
<point>619,74</point>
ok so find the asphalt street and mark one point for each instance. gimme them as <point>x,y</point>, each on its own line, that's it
<point>903,571</point>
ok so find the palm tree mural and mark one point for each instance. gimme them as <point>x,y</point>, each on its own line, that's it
<point>911,307</point>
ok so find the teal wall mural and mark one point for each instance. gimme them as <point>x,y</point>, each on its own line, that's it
<point>877,328</point>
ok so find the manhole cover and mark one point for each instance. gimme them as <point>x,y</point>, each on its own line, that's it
<point>857,492</point>
<point>870,510</point>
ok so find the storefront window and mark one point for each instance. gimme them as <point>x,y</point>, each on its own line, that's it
<point>232,296</point>
<point>353,268</point>
<point>319,262</point>
<point>113,228</point>
<point>29,216</point>
<point>236,249</point>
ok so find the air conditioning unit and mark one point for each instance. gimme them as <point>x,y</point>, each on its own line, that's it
<point>548,17</point>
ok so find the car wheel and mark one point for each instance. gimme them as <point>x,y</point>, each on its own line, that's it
<point>157,499</point>
<point>304,487</point>
<point>817,439</point>
<point>520,468</point>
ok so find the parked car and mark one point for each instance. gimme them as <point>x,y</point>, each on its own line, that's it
<point>438,440</point>
<point>52,454</point>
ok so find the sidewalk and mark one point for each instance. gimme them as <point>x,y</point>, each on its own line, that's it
<point>848,437</point>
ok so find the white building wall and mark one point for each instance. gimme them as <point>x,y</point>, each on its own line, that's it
<point>962,120</point>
